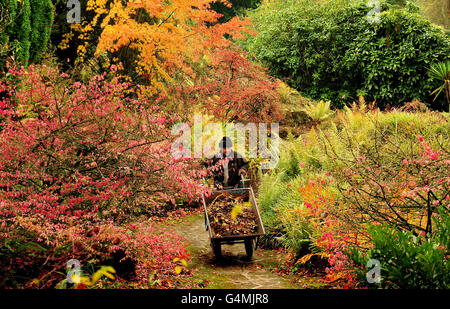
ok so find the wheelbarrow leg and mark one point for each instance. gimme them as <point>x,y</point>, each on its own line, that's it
<point>217,248</point>
<point>249,247</point>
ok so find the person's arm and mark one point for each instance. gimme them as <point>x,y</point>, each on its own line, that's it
<point>214,170</point>
<point>242,167</point>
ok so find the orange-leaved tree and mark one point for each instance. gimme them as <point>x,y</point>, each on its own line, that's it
<point>155,39</point>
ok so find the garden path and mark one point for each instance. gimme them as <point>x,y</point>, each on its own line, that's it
<point>233,270</point>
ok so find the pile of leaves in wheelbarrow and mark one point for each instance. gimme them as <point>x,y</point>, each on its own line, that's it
<point>230,215</point>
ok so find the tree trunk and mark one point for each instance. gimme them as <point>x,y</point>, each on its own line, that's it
<point>447,92</point>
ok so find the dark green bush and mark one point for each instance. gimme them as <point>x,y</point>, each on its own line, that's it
<point>238,7</point>
<point>15,30</point>
<point>330,50</point>
<point>26,29</point>
<point>41,22</point>
<point>408,261</point>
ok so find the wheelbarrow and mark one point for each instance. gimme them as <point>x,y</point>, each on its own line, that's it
<point>250,241</point>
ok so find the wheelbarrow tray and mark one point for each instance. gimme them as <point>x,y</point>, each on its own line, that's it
<point>235,238</point>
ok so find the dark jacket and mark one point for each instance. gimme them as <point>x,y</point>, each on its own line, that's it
<point>235,165</point>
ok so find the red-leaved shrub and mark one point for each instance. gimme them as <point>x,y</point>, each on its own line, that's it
<point>76,161</point>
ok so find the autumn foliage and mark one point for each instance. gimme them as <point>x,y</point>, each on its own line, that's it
<point>330,236</point>
<point>86,159</point>
<point>234,90</point>
<point>77,160</point>
<point>391,181</point>
<point>154,39</point>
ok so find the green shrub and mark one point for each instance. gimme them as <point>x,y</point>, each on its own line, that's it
<point>319,112</point>
<point>329,49</point>
<point>429,125</point>
<point>27,29</point>
<point>406,260</point>
<point>41,22</point>
<point>18,32</point>
<point>278,196</point>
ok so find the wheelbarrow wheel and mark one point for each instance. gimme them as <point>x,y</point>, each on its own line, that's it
<point>249,247</point>
<point>217,248</point>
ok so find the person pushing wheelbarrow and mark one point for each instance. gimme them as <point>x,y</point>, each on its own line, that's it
<point>228,167</point>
